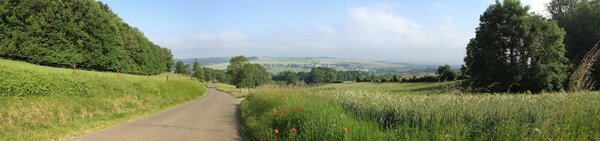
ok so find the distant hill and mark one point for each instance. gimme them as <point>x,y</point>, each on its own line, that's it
<point>297,64</point>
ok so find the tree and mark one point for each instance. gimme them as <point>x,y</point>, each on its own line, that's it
<point>291,77</point>
<point>322,75</point>
<point>580,19</point>
<point>198,71</point>
<point>236,64</point>
<point>515,51</point>
<point>179,67</point>
<point>446,73</point>
<point>187,71</point>
<point>558,8</point>
<point>82,32</point>
<point>395,78</point>
<point>252,75</point>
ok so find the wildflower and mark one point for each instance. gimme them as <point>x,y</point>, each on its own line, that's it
<point>299,110</point>
<point>294,130</point>
<point>276,131</point>
<point>345,130</point>
<point>260,139</point>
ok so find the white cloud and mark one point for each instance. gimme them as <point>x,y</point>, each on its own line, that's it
<point>368,32</point>
<point>538,6</point>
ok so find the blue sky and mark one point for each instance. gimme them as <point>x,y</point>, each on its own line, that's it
<point>423,32</point>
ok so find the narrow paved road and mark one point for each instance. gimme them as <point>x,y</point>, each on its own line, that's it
<point>211,118</point>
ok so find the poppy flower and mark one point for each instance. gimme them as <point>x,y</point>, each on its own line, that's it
<point>276,131</point>
<point>299,110</point>
<point>294,130</point>
<point>345,130</point>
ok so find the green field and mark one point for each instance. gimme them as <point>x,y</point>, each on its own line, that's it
<point>279,64</point>
<point>45,103</point>
<point>415,111</point>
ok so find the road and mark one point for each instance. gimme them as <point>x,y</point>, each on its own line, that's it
<point>210,118</point>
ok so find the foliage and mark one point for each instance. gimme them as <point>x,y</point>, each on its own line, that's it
<point>580,19</point>
<point>322,75</point>
<point>85,33</point>
<point>44,103</point>
<point>245,75</point>
<point>288,77</point>
<point>211,75</point>
<point>234,69</point>
<point>252,75</point>
<point>446,73</point>
<point>198,71</point>
<point>515,51</point>
<point>179,67</point>
<point>403,111</point>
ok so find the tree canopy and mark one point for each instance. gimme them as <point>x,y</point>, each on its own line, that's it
<point>446,73</point>
<point>516,51</point>
<point>242,74</point>
<point>581,21</point>
<point>82,32</point>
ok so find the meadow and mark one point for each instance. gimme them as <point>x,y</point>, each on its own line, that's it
<point>45,103</point>
<point>415,111</point>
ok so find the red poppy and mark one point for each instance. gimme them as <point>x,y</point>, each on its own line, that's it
<point>259,139</point>
<point>299,110</point>
<point>276,131</point>
<point>294,130</point>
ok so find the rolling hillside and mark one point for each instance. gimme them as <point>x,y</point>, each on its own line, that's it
<point>46,103</point>
<point>297,64</point>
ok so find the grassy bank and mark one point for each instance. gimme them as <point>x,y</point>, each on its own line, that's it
<point>44,103</point>
<point>235,92</point>
<point>398,112</point>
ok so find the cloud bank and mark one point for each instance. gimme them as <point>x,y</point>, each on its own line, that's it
<point>370,32</point>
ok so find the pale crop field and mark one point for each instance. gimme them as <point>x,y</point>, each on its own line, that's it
<point>415,111</point>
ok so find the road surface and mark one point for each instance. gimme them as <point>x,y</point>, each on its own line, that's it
<point>210,118</point>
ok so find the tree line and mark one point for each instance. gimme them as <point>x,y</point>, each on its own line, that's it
<point>517,51</point>
<point>78,33</point>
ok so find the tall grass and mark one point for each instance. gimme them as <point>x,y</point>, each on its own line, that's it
<point>44,103</point>
<point>408,115</point>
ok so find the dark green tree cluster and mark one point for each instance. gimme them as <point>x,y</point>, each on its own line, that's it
<point>348,75</point>
<point>446,73</point>
<point>288,77</point>
<point>212,75</point>
<point>322,75</point>
<point>242,74</point>
<point>581,21</point>
<point>85,33</point>
<point>516,51</point>
<point>198,71</point>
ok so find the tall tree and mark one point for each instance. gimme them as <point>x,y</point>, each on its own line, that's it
<point>198,71</point>
<point>446,73</point>
<point>515,51</point>
<point>179,67</point>
<point>581,21</point>
<point>236,64</point>
<point>187,71</point>
<point>322,75</point>
<point>252,75</point>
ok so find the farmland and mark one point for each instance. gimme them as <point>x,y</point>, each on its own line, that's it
<point>45,103</point>
<point>304,64</point>
<point>415,111</point>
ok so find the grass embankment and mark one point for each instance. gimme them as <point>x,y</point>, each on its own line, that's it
<point>44,103</point>
<point>231,89</point>
<point>358,111</point>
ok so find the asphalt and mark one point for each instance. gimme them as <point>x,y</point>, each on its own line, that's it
<point>210,118</point>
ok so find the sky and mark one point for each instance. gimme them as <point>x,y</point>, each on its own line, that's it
<point>410,31</point>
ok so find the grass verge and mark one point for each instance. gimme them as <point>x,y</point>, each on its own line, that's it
<point>44,103</point>
<point>231,89</point>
